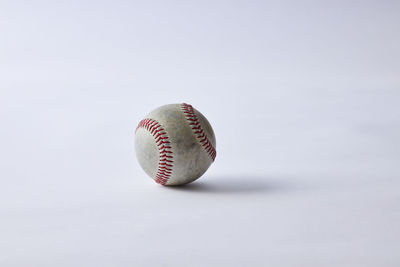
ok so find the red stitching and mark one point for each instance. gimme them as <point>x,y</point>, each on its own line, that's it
<point>165,162</point>
<point>198,131</point>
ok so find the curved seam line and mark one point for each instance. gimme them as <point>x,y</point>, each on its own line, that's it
<point>198,130</point>
<point>165,162</point>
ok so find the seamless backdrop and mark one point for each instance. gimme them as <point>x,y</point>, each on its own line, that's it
<point>303,97</point>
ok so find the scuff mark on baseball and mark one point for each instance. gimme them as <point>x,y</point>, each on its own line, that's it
<point>175,144</point>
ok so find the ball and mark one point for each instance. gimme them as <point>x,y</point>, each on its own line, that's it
<point>175,144</point>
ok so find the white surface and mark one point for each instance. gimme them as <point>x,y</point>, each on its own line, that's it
<point>303,98</point>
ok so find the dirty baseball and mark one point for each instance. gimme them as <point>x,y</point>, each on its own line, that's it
<point>175,144</point>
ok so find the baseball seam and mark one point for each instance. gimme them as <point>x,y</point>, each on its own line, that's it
<point>165,163</point>
<point>198,130</point>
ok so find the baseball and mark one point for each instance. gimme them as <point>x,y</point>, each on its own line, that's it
<point>175,144</point>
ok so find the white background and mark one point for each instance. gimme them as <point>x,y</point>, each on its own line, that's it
<point>303,97</point>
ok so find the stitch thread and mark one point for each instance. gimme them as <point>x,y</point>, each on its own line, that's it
<point>198,131</point>
<point>165,162</point>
